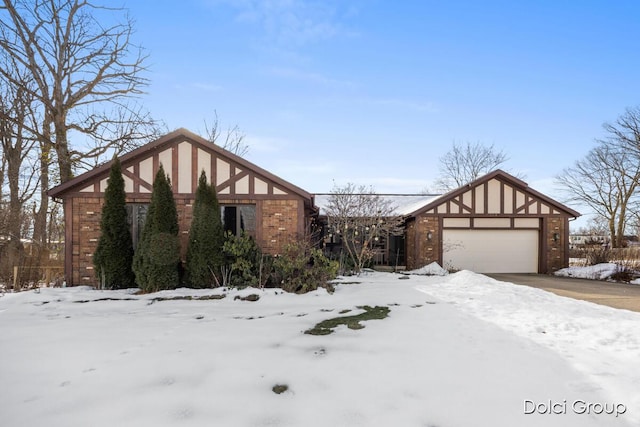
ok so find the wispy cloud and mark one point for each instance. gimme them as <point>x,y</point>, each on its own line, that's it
<point>293,22</point>
<point>200,86</point>
<point>207,87</point>
<point>310,77</point>
<point>398,103</point>
<point>391,185</point>
<point>409,104</point>
<point>317,167</point>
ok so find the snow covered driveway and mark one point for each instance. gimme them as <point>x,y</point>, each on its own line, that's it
<point>457,350</point>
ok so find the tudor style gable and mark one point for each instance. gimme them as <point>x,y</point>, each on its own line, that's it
<point>184,156</point>
<point>497,193</point>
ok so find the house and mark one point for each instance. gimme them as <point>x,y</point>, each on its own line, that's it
<point>495,224</point>
<point>252,200</point>
<point>593,240</point>
<point>581,241</point>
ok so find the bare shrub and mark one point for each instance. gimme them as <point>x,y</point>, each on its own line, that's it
<point>591,256</point>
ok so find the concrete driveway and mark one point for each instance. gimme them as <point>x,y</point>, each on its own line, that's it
<point>616,295</point>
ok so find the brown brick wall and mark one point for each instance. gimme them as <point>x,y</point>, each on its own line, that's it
<point>557,256</point>
<point>280,224</point>
<point>420,250</point>
<point>85,235</point>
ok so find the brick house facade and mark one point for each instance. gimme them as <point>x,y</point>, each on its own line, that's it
<point>269,208</point>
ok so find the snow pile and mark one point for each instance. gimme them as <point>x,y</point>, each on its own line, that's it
<point>455,350</point>
<point>432,269</point>
<point>595,272</point>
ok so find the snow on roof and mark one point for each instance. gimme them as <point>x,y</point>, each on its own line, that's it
<point>404,204</point>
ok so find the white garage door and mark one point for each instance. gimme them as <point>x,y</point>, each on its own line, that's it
<point>491,251</point>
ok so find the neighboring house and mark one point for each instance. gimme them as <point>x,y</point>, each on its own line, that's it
<point>632,241</point>
<point>494,224</point>
<point>584,241</point>
<point>578,241</point>
<point>253,200</point>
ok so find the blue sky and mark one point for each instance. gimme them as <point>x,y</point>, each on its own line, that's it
<point>375,92</point>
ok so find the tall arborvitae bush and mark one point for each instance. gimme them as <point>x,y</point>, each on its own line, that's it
<point>114,255</point>
<point>206,238</point>
<point>157,257</point>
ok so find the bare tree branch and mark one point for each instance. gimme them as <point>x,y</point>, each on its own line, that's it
<point>232,141</point>
<point>84,73</point>
<point>360,217</point>
<point>467,162</point>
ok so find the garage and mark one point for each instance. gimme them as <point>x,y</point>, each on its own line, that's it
<point>495,224</point>
<point>491,251</point>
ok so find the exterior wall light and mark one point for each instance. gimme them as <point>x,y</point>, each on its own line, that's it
<point>556,237</point>
<point>429,235</point>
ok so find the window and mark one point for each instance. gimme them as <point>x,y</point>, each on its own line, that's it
<point>238,218</point>
<point>136,217</point>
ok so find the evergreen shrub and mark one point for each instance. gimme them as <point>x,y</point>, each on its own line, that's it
<point>113,257</point>
<point>157,257</point>
<point>205,255</point>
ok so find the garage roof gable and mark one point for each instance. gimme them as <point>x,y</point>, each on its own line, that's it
<point>496,193</point>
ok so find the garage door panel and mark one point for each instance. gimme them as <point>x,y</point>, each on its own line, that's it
<point>491,251</point>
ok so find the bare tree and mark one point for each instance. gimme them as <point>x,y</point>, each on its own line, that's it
<point>624,133</point>
<point>467,162</point>
<point>361,217</point>
<point>19,167</point>
<point>606,180</point>
<point>233,139</point>
<point>596,226</point>
<point>18,146</point>
<point>85,74</point>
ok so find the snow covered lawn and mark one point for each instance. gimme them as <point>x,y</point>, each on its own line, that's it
<point>456,350</point>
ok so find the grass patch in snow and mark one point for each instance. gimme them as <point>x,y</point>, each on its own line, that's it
<point>84,301</point>
<point>188,298</point>
<point>252,298</point>
<point>353,322</point>
<point>280,388</point>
